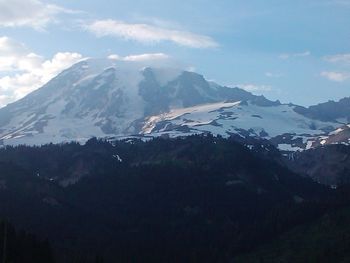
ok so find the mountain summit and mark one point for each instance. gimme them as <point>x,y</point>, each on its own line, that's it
<point>108,98</point>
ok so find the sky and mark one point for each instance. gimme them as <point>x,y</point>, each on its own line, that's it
<point>295,51</point>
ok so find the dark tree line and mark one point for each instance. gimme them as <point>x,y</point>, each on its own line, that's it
<point>194,199</point>
<point>19,247</point>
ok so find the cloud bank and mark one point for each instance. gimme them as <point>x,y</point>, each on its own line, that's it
<point>22,71</point>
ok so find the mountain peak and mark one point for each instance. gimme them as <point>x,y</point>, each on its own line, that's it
<point>111,98</point>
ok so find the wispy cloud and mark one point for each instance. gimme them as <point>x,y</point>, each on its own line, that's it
<point>140,57</point>
<point>146,57</point>
<point>338,75</point>
<point>294,55</point>
<point>146,33</point>
<point>255,87</point>
<point>150,60</point>
<point>115,57</point>
<point>335,76</point>
<point>273,75</point>
<point>339,58</point>
<point>23,71</point>
<point>30,13</point>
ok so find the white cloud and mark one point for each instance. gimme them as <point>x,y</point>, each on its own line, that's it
<point>114,57</point>
<point>140,57</point>
<point>32,13</point>
<point>59,62</point>
<point>335,76</point>
<point>192,69</point>
<point>10,50</point>
<point>157,60</point>
<point>9,46</point>
<point>146,33</point>
<point>146,57</point>
<point>254,87</point>
<point>23,71</point>
<point>342,58</point>
<point>295,55</point>
<point>303,54</point>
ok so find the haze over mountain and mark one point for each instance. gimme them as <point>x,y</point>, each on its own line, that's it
<point>116,99</point>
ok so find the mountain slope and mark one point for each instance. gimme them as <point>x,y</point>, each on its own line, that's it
<point>117,99</point>
<point>329,164</point>
<point>325,240</point>
<point>103,98</point>
<point>279,123</point>
<point>330,110</point>
<point>164,200</point>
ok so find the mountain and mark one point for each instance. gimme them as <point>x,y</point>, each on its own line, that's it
<point>325,240</point>
<point>103,98</point>
<point>339,136</point>
<point>327,164</point>
<point>22,247</point>
<point>328,111</point>
<point>191,199</point>
<point>280,124</point>
<point>118,99</point>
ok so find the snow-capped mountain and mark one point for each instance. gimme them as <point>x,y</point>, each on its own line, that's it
<point>280,124</point>
<point>339,136</point>
<point>108,98</point>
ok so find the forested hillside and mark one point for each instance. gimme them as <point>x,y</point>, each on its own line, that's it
<point>199,198</point>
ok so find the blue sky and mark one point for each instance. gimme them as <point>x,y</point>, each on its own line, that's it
<point>295,51</point>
